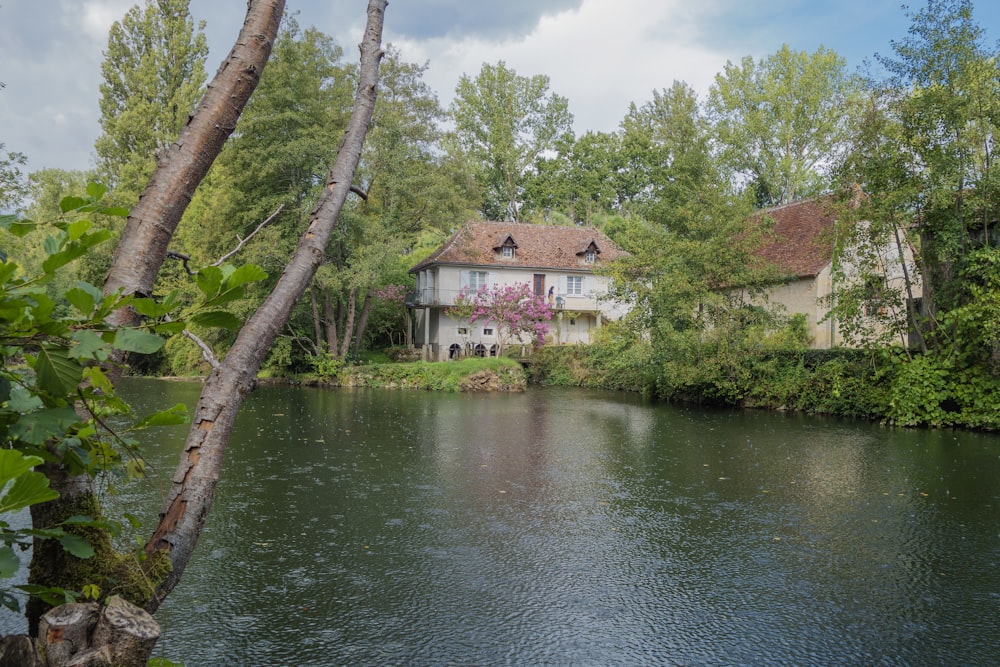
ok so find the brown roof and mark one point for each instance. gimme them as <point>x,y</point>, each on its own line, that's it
<point>538,246</point>
<point>801,241</point>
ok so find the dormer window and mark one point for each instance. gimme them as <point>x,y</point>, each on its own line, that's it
<point>589,252</point>
<point>505,246</point>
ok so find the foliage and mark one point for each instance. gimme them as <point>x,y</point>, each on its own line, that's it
<point>153,72</point>
<point>453,376</point>
<point>781,119</point>
<point>55,397</point>
<point>13,186</point>
<point>503,122</point>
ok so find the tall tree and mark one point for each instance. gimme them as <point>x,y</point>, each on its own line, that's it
<point>503,122</point>
<point>782,120</point>
<point>193,486</point>
<point>943,97</point>
<point>144,242</point>
<point>153,72</point>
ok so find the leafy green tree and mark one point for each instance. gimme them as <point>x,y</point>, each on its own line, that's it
<point>13,186</point>
<point>782,120</point>
<point>503,123</point>
<point>153,72</point>
<point>943,97</point>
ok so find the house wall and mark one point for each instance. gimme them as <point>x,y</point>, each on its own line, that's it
<point>810,297</point>
<point>438,287</point>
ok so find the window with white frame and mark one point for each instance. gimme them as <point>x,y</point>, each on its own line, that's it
<point>487,332</point>
<point>477,280</point>
<point>574,285</point>
<point>507,251</point>
<point>590,257</point>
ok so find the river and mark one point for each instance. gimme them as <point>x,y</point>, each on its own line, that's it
<point>575,527</point>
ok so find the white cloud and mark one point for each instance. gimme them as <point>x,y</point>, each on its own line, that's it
<point>599,56</point>
<point>96,16</point>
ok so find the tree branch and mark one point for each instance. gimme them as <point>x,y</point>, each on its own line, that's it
<point>243,242</point>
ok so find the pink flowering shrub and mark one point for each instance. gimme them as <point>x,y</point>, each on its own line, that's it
<point>514,310</point>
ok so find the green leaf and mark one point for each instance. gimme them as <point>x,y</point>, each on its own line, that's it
<point>30,488</point>
<point>209,280</point>
<point>217,318</point>
<point>81,299</point>
<point>9,564</point>
<point>116,211</point>
<point>56,373</point>
<point>169,417</point>
<point>35,428</point>
<point>77,229</point>
<point>96,190</point>
<point>245,274</point>
<point>68,204</point>
<point>136,340</point>
<point>9,601</point>
<point>76,545</point>
<point>13,464</point>
<point>89,345</point>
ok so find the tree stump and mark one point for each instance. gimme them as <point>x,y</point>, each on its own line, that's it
<point>118,634</point>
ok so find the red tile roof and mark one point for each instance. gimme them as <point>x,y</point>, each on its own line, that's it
<point>801,241</point>
<point>538,246</point>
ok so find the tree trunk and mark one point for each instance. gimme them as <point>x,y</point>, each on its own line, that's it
<point>137,260</point>
<point>330,316</point>
<point>151,224</point>
<point>362,324</point>
<point>352,306</point>
<point>317,321</point>
<point>193,486</point>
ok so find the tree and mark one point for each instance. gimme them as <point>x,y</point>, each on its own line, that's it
<point>503,122</point>
<point>781,121</point>
<point>144,243</point>
<point>515,310</point>
<point>153,71</point>
<point>13,186</point>
<point>942,101</point>
<point>189,500</point>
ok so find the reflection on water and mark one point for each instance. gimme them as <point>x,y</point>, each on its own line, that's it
<point>567,527</point>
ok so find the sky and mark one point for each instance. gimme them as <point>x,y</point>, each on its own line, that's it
<point>601,55</point>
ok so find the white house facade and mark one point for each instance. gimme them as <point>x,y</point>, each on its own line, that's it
<point>558,264</point>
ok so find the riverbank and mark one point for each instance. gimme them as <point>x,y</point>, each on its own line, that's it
<point>489,374</point>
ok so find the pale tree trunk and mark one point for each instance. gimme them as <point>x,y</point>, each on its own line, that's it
<point>330,316</point>
<point>362,323</point>
<point>317,321</point>
<point>193,486</point>
<point>138,257</point>
<point>352,306</point>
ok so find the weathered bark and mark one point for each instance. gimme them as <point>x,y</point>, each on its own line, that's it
<point>141,252</point>
<point>330,317</point>
<point>352,307</point>
<point>317,320</point>
<point>118,634</point>
<point>193,486</point>
<point>359,333</point>
<point>151,224</point>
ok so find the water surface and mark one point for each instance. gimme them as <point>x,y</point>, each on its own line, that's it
<point>571,527</point>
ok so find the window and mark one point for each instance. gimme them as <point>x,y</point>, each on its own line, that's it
<point>574,285</point>
<point>507,251</point>
<point>477,280</point>
<point>590,257</point>
<point>487,332</point>
<point>463,331</point>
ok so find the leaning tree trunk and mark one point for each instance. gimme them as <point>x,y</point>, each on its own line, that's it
<point>136,262</point>
<point>359,332</point>
<point>193,486</point>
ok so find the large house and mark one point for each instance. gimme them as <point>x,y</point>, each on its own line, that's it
<point>801,245</point>
<point>557,262</point>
